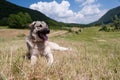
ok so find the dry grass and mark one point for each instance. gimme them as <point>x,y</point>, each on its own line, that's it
<point>95,56</point>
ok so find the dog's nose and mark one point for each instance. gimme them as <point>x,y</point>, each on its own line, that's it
<point>48,31</point>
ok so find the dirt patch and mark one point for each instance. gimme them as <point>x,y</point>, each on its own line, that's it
<point>57,33</point>
<point>12,32</point>
<point>17,32</point>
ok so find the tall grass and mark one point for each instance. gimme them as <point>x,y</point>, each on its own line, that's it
<point>94,56</point>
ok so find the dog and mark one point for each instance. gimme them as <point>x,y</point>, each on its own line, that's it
<point>38,44</point>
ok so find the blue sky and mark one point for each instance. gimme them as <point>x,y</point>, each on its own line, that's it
<point>70,11</point>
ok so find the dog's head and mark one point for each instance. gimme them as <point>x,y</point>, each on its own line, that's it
<point>40,28</point>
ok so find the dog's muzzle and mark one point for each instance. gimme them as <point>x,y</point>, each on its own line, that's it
<point>42,33</point>
<point>47,31</point>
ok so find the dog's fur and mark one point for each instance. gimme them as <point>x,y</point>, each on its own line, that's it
<point>37,42</point>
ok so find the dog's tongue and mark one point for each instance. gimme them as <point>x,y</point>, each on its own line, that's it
<point>45,37</point>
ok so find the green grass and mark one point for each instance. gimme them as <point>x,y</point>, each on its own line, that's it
<point>94,56</point>
<point>91,34</point>
<point>3,27</point>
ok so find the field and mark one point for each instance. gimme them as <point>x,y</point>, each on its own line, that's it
<point>95,56</point>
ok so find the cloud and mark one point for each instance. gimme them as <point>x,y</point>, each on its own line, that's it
<point>86,2</point>
<point>62,12</point>
<point>91,9</point>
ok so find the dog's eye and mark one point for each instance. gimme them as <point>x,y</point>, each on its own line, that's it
<point>40,26</point>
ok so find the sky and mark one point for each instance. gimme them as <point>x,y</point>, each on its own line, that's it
<point>70,11</point>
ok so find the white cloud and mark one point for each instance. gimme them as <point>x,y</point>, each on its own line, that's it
<point>91,9</point>
<point>80,1</point>
<point>53,8</point>
<point>86,2</point>
<point>62,12</point>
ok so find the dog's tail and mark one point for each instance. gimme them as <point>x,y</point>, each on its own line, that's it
<point>55,46</point>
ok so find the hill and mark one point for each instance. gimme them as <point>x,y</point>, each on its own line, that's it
<point>7,8</point>
<point>107,18</point>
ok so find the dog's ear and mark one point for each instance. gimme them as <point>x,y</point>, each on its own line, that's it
<point>32,25</point>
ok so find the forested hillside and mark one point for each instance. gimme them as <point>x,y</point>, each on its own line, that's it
<point>109,16</point>
<point>7,8</point>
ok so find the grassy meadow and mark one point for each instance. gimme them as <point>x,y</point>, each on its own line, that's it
<point>95,56</point>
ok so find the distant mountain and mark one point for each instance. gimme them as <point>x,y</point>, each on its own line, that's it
<point>107,18</point>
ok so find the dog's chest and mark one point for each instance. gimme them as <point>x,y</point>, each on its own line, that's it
<point>39,46</point>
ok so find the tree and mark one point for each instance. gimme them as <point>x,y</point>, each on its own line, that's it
<point>103,28</point>
<point>116,22</point>
<point>19,20</point>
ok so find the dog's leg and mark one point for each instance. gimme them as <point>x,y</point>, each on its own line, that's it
<point>28,54</point>
<point>33,60</point>
<point>29,46</point>
<point>49,58</point>
<point>29,43</point>
<point>34,56</point>
<point>49,55</point>
<point>55,46</point>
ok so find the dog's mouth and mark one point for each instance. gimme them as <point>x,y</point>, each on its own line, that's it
<point>43,34</point>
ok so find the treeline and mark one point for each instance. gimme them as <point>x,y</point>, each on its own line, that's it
<point>113,26</point>
<point>20,20</point>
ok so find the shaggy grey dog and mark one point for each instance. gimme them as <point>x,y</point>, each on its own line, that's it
<point>37,42</point>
